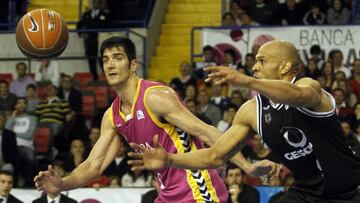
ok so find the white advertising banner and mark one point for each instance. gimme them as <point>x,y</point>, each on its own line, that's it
<point>345,38</point>
<point>104,195</point>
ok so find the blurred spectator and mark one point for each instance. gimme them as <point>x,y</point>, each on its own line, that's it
<point>95,18</point>
<point>24,125</point>
<point>179,84</point>
<point>115,182</point>
<point>59,167</point>
<point>137,178</point>
<point>6,185</point>
<point>262,13</point>
<point>7,99</point>
<point>18,86</point>
<point>249,63</point>
<point>343,110</point>
<point>94,135</point>
<point>207,109</point>
<point>31,97</point>
<point>328,72</point>
<point>228,19</point>
<point>351,98</point>
<point>54,198</point>
<point>238,191</point>
<point>68,93</point>
<point>191,105</point>
<point>119,166</point>
<point>217,99</point>
<point>246,20</point>
<point>208,60</point>
<point>236,98</point>
<point>357,127</point>
<point>190,92</point>
<point>349,135</point>
<point>338,14</point>
<point>291,13</point>
<point>336,57</point>
<point>314,16</point>
<point>151,195</point>
<point>315,52</point>
<point>288,182</point>
<point>228,118</point>
<point>48,71</point>
<point>8,147</point>
<point>355,81</point>
<point>340,75</point>
<point>55,113</point>
<point>77,155</point>
<point>311,70</point>
<point>229,59</point>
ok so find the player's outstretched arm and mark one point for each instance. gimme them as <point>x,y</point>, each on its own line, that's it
<point>100,157</point>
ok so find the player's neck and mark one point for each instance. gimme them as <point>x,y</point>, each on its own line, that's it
<point>128,90</point>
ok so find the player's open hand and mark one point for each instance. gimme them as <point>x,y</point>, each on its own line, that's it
<point>150,159</point>
<point>220,75</point>
<point>264,167</point>
<point>48,181</point>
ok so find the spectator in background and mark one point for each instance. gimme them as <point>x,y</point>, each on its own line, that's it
<point>115,182</point>
<point>6,185</point>
<point>207,109</point>
<point>228,19</point>
<point>208,60</point>
<point>8,147</point>
<point>59,167</point>
<point>218,99</point>
<point>95,18</point>
<point>191,104</point>
<point>327,70</point>
<point>315,52</point>
<point>311,70</point>
<point>339,76</point>
<point>288,181</point>
<point>229,59</point>
<point>77,155</point>
<point>94,135</point>
<point>249,63</point>
<point>179,84</point>
<point>246,20</point>
<point>228,118</point>
<point>351,98</point>
<point>343,110</point>
<point>355,80</point>
<point>137,178</point>
<point>348,132</point>
<point>262,13</point>
<point>31,97</point>
<point>314,16</point>
<point>337,58</point>
<point>191,92</point>
<point>18,86</point>
<point>24,125</point>
<point>237,98</point>
<point>238,191</point>
<point>55,113</point>
<point>7,99</point>
<point>54,198</point>
<point>291,13</point>
<point>119,166</point>
<point>48,71</point>
<point>151,195</point>
<point>338,14</point>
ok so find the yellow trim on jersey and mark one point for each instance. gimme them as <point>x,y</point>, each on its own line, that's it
<point>111,116</point>
<point>123,116</point>
<point>174,136</point>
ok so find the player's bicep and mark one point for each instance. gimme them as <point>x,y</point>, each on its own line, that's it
<point>310,92</point>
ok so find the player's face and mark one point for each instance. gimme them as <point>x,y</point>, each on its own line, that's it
<point>117,66</point>
<point>267,65</point>
<point>6,183</point>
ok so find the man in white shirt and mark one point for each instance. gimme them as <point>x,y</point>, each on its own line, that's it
<point>48,70</point>
<point>6,184</point>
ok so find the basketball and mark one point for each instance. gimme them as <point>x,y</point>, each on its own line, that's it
<point>41,34</point>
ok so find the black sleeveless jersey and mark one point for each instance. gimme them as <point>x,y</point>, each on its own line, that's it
<point>312,145</point>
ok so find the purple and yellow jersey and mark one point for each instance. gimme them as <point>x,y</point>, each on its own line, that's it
<point>176,185</point>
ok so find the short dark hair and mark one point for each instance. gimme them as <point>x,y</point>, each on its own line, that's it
<point>31,86</point>
<point>4,82</point>
<point>126,43</point>
<point>5,172</point>
<point>231,52</point>
<point>232,166</point>
<point>228,14</point>
<point>250,55</point>
<point>21,64</point>
<point>21,98</point>
<point>208,48</point>
<point>315,49</point>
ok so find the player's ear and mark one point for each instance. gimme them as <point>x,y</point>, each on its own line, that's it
<point>285,67</point>
<point>133,65</point>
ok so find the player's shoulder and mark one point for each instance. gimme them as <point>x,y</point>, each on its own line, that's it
<point>247,111</point>
<point>307,81</point>
<point>159,93</point>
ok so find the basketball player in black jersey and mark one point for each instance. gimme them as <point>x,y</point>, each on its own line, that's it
<point>295,118</point>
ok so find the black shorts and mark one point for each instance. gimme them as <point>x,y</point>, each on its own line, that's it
<point>294,196</point>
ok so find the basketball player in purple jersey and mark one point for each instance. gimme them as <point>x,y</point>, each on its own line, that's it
<point>141,110</point>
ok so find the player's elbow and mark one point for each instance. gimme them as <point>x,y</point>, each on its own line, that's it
<point>215,159</point>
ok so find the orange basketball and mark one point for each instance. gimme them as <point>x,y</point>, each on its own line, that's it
<point>42,33</point>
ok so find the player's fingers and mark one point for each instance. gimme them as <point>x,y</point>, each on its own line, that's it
<point>135,155</point>
<point>278,169</point>
<point>156,141</point>
<point>221,81</point>
<point>208,80</point>
<point>136,162</point>
<point>138,168</point>
<point>51,170</point>
<point>211,69</point>
<point>137,147</point>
